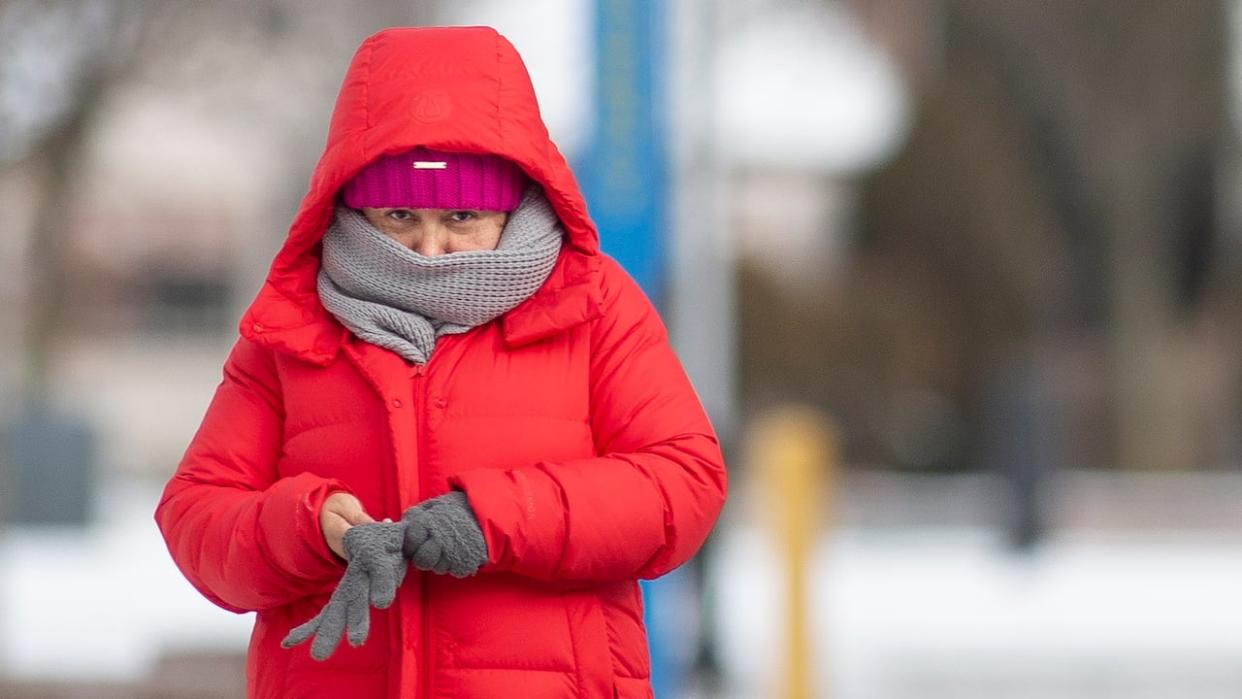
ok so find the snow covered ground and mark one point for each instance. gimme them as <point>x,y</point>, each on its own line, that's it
<point>950,613</point>
<point>898,613</point>
<point>104,603</point>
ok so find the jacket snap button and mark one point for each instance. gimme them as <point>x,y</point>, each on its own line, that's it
<point>396,402</point>
<point>257,327</point>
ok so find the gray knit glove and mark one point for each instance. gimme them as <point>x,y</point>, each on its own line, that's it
<point>375,571</point>
<point>442,535</point>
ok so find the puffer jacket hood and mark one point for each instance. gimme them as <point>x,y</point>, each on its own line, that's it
<point>448,88</point>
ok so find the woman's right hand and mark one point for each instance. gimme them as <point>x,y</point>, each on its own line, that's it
<point>341,511</point>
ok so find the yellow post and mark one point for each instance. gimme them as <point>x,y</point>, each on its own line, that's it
<point>793,454</point>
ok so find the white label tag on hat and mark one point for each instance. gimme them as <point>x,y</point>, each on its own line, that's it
<point>430,164</point>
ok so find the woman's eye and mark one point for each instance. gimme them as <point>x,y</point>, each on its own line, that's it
<point>400,215</point>
<point>461,216</point>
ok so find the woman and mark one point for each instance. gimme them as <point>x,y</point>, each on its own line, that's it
<point>440,345</point>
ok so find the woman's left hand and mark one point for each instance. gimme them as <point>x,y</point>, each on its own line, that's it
<point>443,536</point>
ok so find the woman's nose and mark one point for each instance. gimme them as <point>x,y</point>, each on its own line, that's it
<point>433,242</point>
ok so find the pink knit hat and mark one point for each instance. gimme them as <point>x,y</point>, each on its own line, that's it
<point>433,179</point>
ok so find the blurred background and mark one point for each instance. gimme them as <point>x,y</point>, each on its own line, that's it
<point>958,281</point>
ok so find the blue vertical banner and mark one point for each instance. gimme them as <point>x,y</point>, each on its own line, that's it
<point>624,171</point>
<point>623,178</point>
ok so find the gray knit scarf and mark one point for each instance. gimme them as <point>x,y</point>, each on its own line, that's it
<point>393,297</point>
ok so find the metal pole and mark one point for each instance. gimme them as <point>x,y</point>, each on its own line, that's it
<point>701,309</point>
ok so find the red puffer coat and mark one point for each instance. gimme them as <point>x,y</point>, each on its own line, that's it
<point>568,422</point>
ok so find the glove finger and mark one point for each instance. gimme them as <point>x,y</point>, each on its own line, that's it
<point>462,569</point>
<point>333,624</point>
<point>427,554</point>
<point>329,634</point>
<point>358,616</point>
<point>302,631</point>
<point>447,562</point>
<point>416,534</point>
<point>385,580</point>
<point>439,567</point>
<point>356,538</point>
<point>400,566</point>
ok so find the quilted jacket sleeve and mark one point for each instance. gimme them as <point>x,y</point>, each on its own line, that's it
<point>647,502</point>
<point>246,539</point>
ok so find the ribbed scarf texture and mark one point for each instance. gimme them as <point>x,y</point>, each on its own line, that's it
<point>393,297</point>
